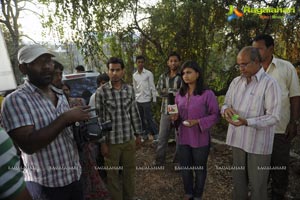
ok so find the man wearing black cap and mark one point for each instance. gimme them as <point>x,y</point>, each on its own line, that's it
<point>37,117</point>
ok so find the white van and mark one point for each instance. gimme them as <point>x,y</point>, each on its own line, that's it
<point>7,77</point>
<point>82,84</point>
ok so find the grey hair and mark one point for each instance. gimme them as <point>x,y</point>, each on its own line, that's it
<point>254,53</point>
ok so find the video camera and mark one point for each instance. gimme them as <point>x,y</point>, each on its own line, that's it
<point>90,130</point>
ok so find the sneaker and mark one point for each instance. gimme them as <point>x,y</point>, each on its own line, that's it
<point>154,141</point>
<point>145,137</point>
<point>155,137</point>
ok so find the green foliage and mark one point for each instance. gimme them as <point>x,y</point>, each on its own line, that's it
<point>196,29</point>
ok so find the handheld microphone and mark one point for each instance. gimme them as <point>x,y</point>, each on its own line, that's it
<point>172,107</point>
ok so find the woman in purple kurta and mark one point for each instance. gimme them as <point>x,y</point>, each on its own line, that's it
<point>198,111</point>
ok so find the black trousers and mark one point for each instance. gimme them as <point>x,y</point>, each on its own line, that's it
<point>279,174</point>
<point>69,192</point>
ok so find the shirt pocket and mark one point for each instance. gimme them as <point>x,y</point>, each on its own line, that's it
<point>110,105</point>
<point>256,104</point>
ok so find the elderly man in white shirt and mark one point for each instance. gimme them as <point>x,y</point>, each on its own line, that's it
<point>143,84</point>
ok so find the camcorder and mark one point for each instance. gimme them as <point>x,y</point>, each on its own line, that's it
<point>91,130</point>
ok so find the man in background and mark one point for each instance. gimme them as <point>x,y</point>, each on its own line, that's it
<point>286,129</point>
<point>80,69</point>
<point>58,74</point>
<point>168,83</point>
<point>101,80</point>
<point>143,84</point>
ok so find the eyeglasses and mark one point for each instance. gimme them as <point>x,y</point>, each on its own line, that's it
<point>243,65</point>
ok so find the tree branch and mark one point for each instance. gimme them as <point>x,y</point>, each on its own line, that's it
<point>137,27</point>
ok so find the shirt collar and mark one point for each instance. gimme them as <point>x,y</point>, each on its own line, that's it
<point>32,88</point>
<point>273,63</point>
<point>124,86</point>
<point>56,90</point>
<point>143,71</point>
<point>177,73</point>
<point>258,76</point>
<point>109,85</point>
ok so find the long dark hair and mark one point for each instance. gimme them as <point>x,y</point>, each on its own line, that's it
<point>200,82</point>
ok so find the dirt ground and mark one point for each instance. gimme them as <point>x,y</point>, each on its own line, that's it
<point>165,184</point>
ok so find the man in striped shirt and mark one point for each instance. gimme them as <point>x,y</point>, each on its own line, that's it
<point>256,98</point>
<point>12,185</point>
<point>115,101</point>
<point>37,117</point>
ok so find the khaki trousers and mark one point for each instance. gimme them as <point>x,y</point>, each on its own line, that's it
<point>121,158</point>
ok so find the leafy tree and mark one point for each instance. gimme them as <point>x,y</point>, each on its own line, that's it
<point>196,29</point>
<point>9,23</point>
<point>9,19</point>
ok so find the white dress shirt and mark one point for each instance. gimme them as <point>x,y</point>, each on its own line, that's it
<point>144,87</point>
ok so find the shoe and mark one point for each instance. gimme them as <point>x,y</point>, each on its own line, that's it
<point>155,137</point>
<point>154,141</point>
<point>186,197</point>
<point>145,137</point>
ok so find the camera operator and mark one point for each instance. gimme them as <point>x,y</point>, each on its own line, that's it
<point>85,134</point>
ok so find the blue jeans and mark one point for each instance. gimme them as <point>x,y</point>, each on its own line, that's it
<point>148,123</point>
<point>193,160</point>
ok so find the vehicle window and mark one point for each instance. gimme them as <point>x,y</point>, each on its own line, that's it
<point>82,87</point>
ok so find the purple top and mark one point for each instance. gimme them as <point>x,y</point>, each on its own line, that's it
<point>205,109</point>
